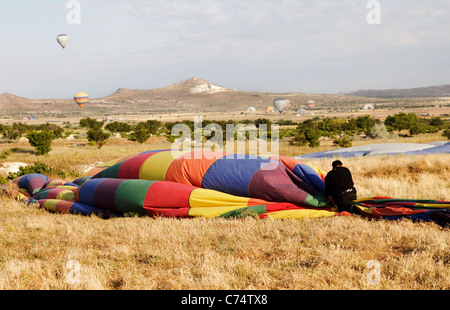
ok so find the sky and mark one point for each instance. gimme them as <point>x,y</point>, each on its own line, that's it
<point>312,46</point>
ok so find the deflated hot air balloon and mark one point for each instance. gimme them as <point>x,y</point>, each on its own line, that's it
<point>187,184</point>
<point>62,39</point>
<point>270,109</point>
<point>281,104</point>
<point>81,99</point>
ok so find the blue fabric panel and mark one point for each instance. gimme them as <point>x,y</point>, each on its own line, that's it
<point>33,182</point>
<point>327,154</point>
<point>83,209</point>
<point>307,174</point>
<point>232,174</point>
<point>441,149</point>
<point>86,192</point>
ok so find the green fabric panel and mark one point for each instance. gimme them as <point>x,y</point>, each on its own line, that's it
<point>111,172</point>
<point>247,211</point>
<point>130,196</point>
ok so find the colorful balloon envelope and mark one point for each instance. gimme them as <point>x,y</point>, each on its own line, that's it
<point>311,104</point>
<point>81,99</point>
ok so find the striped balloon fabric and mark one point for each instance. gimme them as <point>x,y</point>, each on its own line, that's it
<point>188,184</point>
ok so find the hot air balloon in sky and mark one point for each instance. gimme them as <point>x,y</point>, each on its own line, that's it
<point>281,104</point>
<point>81,99</point>
<point>311,104</point>
<point>62,39</point>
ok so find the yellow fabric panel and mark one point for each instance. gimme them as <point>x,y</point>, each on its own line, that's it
<point>50,204</point>
<point>202,197</point>
<point>319,171</point>
<point>21,196</point>
<point>300,213</point>
<point>210,212</point>
<point>155,167</point>
<point>108,163</point>
<point>433,205</point>
<point>364,209</point>
<point>66,195</point>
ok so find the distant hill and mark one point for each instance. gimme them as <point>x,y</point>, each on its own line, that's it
<point>196,95</point>
<point>419,92</point>
<point>7,99</point>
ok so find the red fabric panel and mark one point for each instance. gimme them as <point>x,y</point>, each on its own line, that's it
<point>131,167</point>
<point>168,199</point>
<point>168,212</point>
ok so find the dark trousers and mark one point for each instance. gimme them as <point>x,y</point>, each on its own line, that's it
<point>344,200</point>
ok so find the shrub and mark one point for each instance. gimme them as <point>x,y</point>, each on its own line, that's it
<point>343,141</point>
<point>37,167</point>
<point>139,134</point>
<point>97,136</point>
<point>41,140</point>
<point>446,133</point>
<point>91,123</point>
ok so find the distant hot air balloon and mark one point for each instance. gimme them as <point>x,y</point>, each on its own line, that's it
<point>62,39</point>
<point>81,98</point>
<point>301,112</point>
<point>281,104</point>
<point>310,104</point>
<point>270,109</point>
<point>251,109</point>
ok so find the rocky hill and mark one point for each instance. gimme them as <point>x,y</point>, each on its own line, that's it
<point>194,95</point>
<point>198,95</point>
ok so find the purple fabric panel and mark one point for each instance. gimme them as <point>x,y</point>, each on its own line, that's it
<point>278,184</point>
<point>105,194</point>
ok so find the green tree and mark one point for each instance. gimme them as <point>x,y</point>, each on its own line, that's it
<point>140,134</point>
<point>343,141</point>
<point>91,123</point>
<point>98,136</point>
<point>41,140</point>
<point>312,135</point>
<point>446,133</point>
<point>308,133</point>
<point>402,121</point>
<point>15,131</point>
<point>437,122</point>
<point>417,129</point>
<point>365,123</point>
<point>118,127</point>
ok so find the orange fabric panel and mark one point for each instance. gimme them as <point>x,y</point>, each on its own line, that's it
<point>191,167</point>
<point>256,202</point>
<point>287,161</point>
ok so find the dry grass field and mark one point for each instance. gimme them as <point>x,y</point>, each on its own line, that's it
<point>45,251</point>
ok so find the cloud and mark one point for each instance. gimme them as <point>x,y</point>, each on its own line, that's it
<point>278,45</point>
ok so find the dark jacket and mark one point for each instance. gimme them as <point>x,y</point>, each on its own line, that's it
<point>338,181</point>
